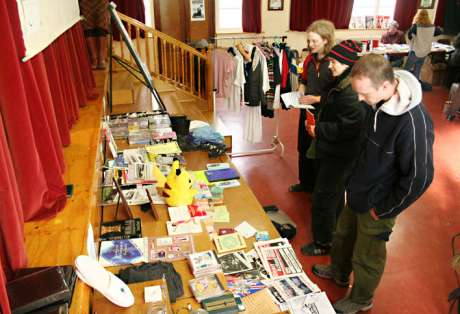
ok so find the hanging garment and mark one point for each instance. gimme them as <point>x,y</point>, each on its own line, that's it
<point>252,124</point>
<point>235,100</point>
<point>223,73</point>
<point>254,94</point>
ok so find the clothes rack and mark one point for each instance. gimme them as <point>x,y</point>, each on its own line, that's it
<point>276,142</point>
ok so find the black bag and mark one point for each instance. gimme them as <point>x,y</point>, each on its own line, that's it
<point>285,226</point>
<point>155,271</point>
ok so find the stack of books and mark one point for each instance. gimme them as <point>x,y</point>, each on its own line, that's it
<point>204,263</point>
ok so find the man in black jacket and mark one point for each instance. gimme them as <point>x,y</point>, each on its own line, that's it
<point>394,169</point>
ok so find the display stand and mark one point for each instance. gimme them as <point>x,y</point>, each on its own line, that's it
<point>145,79</point>
<point>276,142</point>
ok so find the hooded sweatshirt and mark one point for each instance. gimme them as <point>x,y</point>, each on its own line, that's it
<point>395,165</point>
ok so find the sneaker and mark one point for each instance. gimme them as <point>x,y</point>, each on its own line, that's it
<point>326,272</point>
<point>315,249</point>
<point>347,306</point>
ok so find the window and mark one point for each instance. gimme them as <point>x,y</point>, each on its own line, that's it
<point>372,14</point>
<point>229,16</point>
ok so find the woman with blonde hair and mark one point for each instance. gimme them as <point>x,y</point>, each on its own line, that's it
<point>316,78</point>
<point>421,35</point>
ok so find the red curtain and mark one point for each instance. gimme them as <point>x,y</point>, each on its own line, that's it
<point>39,101</point>
<point>4,304</point>
<point>404,13</point>
<point>305,12</point>
<point>252,21</point>
<point>439,19</point>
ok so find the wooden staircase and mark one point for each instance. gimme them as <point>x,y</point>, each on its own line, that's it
<point>174,65</point>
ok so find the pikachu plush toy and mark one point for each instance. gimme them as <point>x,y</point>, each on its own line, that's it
<point>178,189</point>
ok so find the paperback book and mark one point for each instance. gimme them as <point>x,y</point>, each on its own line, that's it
<point>229,242</point>
<point>203,263</point>
<point>121,229</point>
<point>234,262</point>
<point>206,287</point>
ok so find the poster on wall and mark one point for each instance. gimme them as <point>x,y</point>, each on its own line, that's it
<point>197,10</point>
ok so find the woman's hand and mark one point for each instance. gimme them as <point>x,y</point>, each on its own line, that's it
<point>309,99</point>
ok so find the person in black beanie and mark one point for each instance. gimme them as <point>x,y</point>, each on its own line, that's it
<point>338,135</point>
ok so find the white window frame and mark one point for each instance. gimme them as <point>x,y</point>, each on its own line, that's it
<point>376,11</point>
<point>224,30</point>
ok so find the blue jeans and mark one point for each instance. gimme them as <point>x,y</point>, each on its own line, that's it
<point>414,64</point>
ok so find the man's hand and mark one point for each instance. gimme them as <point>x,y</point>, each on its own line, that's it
<point>309,99</point>
<point>374,214</point>
<point>311,130</point>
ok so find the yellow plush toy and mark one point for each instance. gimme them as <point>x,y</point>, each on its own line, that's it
<point>178,187</point>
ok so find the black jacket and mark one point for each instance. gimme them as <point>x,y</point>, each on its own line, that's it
<point>340,124</point>
<point>395,165</point>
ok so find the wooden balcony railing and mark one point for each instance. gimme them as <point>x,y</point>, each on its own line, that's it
<point>169,59</point>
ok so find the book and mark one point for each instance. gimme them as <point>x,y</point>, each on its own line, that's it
<point>234,262</point>
<point>229,242</point>
<point>37,290</point>
<point>122,252</point>
<point>205,287</point>
<point>221,175</point>
<point>121,229</point>
<point>203,263</point>
<point>291,100</point>
<point>132,251</point>
<point>169,248</point>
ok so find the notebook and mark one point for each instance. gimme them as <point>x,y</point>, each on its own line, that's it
<point>221,174</point>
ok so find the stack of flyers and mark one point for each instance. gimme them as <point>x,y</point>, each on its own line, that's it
<point>141,173</point>
<point>158,121</point>
<point>293,285</point>
<point>313,303</point>
<point>139,137</point>
<point>242,287</point>
<point>203,263</point>
<point>233,263</point>
<point>135,155</point>
<point>137,123</point>
<point>278,257</point>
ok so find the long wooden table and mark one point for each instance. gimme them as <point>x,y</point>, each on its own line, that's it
<point>242,205</point>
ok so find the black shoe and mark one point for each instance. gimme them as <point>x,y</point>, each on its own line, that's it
<point>315,249</point>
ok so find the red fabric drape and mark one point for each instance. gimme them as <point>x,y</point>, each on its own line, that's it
<point>4,304</point>
<point>39,101</point>
<point>12,251</point>
<point>305,12</point>
<point>404,13</point>
<point>439,19</point>
<point>252,20</point>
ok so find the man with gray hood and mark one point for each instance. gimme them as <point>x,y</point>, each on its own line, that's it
<point>394,168</point>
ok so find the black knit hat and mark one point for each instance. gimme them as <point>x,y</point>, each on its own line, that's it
<point>345,52</point>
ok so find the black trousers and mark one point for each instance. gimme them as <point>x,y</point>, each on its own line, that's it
<point>328,197</point>
<point>307,169</point>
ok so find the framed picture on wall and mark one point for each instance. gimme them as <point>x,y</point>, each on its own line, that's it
<point>275,5</point>
<point>426,4</point>
<point>197,11</point>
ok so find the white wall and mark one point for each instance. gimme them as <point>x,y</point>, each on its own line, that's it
<point>276,23</point>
